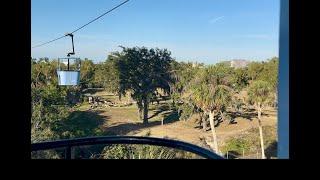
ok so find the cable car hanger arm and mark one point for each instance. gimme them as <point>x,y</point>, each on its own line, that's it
<point>71,53</point>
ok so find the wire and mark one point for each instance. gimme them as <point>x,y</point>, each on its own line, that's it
<point>49,42</point>
<point>100,16</point>
<point>83,25</point>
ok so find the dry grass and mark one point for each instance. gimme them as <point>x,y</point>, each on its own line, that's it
<point>124,121</point>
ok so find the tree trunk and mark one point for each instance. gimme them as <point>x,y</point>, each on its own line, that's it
<point>222,116</point>
<point>260,131</point>
<point>145,110</point>
<point>140,110</point>
<point>213,130</point>
<point>141,114</point>
<point>276,99</point>
<point>204,122</point>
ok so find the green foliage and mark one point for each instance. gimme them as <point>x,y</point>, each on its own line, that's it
<point>144,152</point>
<point>220,74</point>
<point>237,104</point>
<point>107,74</point>
<point>45,117</point>
<point>270,73</point>
<point>186,111</point>
<point>237,145</point>
<point>87,73</point>
<point>240,79</point>
<point>210,88</point>
<point>43,72</point>
<point>250,142</point>
<point>265,71</point>
<point>183,73</point>
<point>48,154</point>
<point>79,125</point>
<point>260,92</point>
<point>51,104</point>
<point>143,72</point>
<point>254,69</point>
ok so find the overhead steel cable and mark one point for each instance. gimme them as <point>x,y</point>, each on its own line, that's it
<point>49,42</point>
<point>84,25</point>
<point>100,16</point>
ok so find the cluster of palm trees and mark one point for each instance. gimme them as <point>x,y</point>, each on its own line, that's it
<point>211,90</point>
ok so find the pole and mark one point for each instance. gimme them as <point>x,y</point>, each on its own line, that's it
<point>242,153</point>
<point>68,64</point>
<point>72,44</point>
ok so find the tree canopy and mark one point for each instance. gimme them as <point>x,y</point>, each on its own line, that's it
<point>143,72</point>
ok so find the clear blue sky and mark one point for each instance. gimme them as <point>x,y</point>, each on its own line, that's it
<point>197,30</point>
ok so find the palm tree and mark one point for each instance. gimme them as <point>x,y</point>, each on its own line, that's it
<point>259,93</point>
<point>210,93</point>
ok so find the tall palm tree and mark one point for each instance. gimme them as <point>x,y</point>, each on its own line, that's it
<point>259,94</point>
<point>212,95</point>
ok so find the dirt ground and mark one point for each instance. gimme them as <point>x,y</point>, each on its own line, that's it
<point>124,121</point>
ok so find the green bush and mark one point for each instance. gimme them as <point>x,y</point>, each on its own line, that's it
<point>237,145</point>
<point>250,142</point>
<point>144,152</point>
<point>185,111</point>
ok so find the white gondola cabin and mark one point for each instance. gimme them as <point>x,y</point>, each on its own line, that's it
<point>69,71</point>
<point>69,68</point>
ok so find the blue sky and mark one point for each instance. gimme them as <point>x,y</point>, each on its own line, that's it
<point>206,31</point>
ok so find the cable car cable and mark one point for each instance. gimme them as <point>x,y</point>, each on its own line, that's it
<point>83,25</point>
<point>100,16</point>
<point>49,42</point>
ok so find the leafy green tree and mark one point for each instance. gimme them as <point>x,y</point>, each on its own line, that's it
<point>43,72</point>
<point>87,73</point>
<point>270,74</point>
<point>47,110</point>
<point>186,110</point>
<point>143,72</point>
<point>107,74</point>
<point>183,73</point>
<point>254,70</point>
<point>240,79</point>
<point>50,103</point>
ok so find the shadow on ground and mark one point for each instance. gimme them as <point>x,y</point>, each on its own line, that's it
<point>92,90</point>
<point>232,155</point>
<point>125,129</point>
<point>81,124</point>
<point>272,150</point>
<point>246,115</point>
<point>159,110</point>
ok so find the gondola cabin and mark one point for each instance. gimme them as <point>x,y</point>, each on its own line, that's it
<point>69,71</point>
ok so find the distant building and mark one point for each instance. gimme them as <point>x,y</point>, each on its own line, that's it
<point>236,63</point>
<point>239,63</point>
<point>195,64</point>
